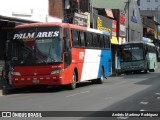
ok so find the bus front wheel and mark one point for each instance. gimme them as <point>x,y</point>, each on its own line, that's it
<point>72,86</point>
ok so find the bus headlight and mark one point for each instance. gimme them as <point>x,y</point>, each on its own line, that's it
<point>16,73</point>
<point>57,71</point>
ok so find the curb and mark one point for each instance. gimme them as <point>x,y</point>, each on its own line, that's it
<point>1,93</point>
<point>114,75</point>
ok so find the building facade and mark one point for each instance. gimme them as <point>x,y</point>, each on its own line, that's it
<point>25,9</point>
<point>148,4</point>
<point>15,12</point>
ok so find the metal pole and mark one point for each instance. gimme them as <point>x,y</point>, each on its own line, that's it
<point>92,13</point>
<point>157,13</point>
<point>79,11</point>
<point>157,21</point>
<point>128,22</point>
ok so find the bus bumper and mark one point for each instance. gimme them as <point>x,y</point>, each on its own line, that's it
<point>37,80</point>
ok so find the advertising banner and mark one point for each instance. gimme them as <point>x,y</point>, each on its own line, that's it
<point>114,28</point>
<point>104,23</point>
<point>122,27</point>
<point>80,19</point>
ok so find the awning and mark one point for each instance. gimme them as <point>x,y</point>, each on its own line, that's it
<point>109,4</point>
<point>114,40</point>
<point>109,13</point>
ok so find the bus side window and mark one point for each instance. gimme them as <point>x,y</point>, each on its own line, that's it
<point>89,39</point>
<point>102,43</point>
<point>82,38</point>
<point>107,42</point>
<point>95,40</point>
<point>66,40</point>
<point>75,38</point>
<point>98,41</point>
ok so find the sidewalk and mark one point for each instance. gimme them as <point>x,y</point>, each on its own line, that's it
<point>1,93</point>
<point>117,72</point>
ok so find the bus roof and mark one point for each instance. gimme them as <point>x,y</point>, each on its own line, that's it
<point>141,42</point>
<point>72,26</point>
<point>41,25</point>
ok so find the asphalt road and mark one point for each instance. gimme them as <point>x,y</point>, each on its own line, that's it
<point>134,92</point>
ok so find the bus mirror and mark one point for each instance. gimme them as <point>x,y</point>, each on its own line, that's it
<point>64,38</point>
<point>66,44</point>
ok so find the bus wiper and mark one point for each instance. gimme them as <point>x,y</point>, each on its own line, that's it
<point>52,59</point>
<point>134,57</point>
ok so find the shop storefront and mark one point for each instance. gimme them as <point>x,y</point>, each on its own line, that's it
<point>7,24</point>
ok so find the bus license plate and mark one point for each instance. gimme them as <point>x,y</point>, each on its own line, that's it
<point>36,81</point>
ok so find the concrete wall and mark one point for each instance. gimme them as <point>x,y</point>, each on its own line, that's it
<point>152,5</point>
<point>35,10</point>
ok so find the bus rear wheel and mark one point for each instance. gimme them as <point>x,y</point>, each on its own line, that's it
<point>145,71</point>
<point>101,79</point>
<point>152,70</point>
<point>72,86</point>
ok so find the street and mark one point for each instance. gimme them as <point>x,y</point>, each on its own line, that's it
<point>133,92</point>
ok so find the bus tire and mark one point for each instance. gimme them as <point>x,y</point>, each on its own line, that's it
<point>145,71</point>
<point>101,79</point>
<point>72,86</point>
<point>152,70</point>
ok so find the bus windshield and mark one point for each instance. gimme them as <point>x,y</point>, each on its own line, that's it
<point>37,46</point>
<point>131,54</point>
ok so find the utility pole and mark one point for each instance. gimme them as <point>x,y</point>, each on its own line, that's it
<point>128,22</point>
<point>157,13</point>
<point>79,11</point>
<point>92,15</point>
<point>157,21</point>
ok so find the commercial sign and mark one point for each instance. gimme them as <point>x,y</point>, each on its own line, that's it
<point>114,28</point>
<point>100,25</point>
<point>122,25</point>
<point>133,17</point>
<point>80,19</point>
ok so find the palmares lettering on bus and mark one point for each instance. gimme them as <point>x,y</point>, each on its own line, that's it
<point>39,35</point>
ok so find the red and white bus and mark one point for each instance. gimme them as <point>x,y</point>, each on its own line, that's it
<point>57,54</point>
